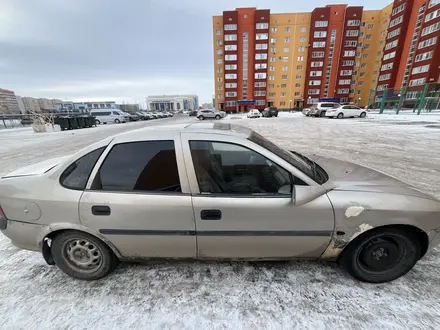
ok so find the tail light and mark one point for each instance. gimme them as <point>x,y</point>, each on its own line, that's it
<point>3,219</point>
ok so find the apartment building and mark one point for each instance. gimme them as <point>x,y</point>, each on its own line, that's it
<point>8,102</point>
<point>336,52</point>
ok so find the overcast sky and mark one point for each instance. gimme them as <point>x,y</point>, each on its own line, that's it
<point>118,50</point>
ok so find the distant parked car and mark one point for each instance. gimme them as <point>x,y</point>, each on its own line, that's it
<point>254,113</point>
<point>270,112</point>
<point>193,113</point>
<point>209,114</point>
<point>319,109</point>
<point>104,116</point>
<point>131,116</point>
<point>306,112</point>
<point>345,111</point>
<point>142,116</point>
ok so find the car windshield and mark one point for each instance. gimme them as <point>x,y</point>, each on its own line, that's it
<point>304,164</point>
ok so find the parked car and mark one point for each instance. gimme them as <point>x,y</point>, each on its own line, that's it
<point>193,113</point>
<point>168,192</point>
<point>270,112</point>
<point>346,111</point>
<point>306,112</point>
<point>223,113</point>
<point>131,116</point>
<point>104,116</point>
<point>209,114</point>
<point>143,116</point>
<point>254,113</point>
<point>319,109</point>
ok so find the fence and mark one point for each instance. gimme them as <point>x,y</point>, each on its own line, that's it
<point>425,99</point>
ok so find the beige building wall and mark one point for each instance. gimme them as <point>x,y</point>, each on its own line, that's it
<point>217,23</point>
<point>288,44</point>
<point>31,104</point>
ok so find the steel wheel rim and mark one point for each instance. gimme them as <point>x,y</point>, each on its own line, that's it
<point>82,255</point>
<point>381,254</point>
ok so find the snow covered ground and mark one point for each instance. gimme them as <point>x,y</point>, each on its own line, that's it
<point>232,295</point>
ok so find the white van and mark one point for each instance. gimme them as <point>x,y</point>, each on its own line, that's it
<point>104,116</point>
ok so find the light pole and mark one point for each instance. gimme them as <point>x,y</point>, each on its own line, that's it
<point>290,106</point>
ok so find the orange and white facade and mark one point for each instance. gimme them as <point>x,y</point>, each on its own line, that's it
<point>336,52</point>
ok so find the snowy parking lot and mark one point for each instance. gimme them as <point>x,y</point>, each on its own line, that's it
<point>234,295</point>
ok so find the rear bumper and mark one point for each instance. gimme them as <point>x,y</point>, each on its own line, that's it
<point>25,235</point>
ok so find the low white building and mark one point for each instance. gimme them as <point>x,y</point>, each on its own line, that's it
<point>172,102</point>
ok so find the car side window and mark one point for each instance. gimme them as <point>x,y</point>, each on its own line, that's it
<point>115,113</point>
<point>234,169</point>
<point>77,174</point>
<point>148,166</point>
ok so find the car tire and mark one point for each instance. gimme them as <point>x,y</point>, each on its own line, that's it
<point>201,118</point>
<point>322,114</point>
<point>363,115</point>
<point>117,121</point>
<point>218,117</point>
<point>340,115</point>
<point>399,250</point>
<point>97,122</point>
<point>71,248</point>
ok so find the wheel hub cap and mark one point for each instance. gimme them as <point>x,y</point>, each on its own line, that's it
<point>380,254</point>
<point>83,254</point>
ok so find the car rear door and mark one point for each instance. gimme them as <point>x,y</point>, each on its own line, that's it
<point>241,213</point>
<point>138,199</point>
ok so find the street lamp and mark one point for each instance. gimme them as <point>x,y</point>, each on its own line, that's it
<point>290,105</point>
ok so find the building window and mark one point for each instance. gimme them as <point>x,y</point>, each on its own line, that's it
<point>424,56</point>
<point>231,85</point>
<point>320,34</point>
<point>262,36</point>
<point>385,77</point>
<point>285,59</point>
<point>319,44</point>
<point>394,33</point>
<point>396,21</point>
<point>273,50</point>
<point>297,85</point>
<point>315,73</point>
<point>344,82</point>
<point>350,43</point>
<point>287,29</point>
<point>321,23</point>
<point>432,15</point>
<point>230,47</point>
<point>417,82</point>
<point>272,94</point>
<point>391,44</point>
<point>282,103</point>
<point>300,58</point>
<point>297,93</point>
<point>354,22</point>
<point>219,79</point>
<point>284,77</point>
<point>271,85</point>
<point>314,82</point>
<point>283,94</point>
<point>219,96</point>
<point>299,67</point>
<point>285,68</point>
<point>230,103</point>
<point>261,46</point>
<point>370,26</point>
<point>346,72</point>
<point>231,76</point>
<point>260,102</point>
<point>352,33</point>
<point>230,27</point>
<point>260,75</point>
<point>312,100</point>
<point>347,63</point>
<point>219,43</point>
<point>283,85</point>
<point>259,93</point>
<point>272,68</point>
<point>231,67</point>
<point>318,54</point>
<point>271,78</point>
<point>398,9</point>
<point>365,56</point>
<point>262,26</point>
<point>343,90</point>
<point>273,40</point>
<point>303,29</point>
<point>287,39</point>
<point>431,29</point>
<point>432,3</point>
<point>260,84</point>
<point>298,76</point>
<point>261,56</point>
<point>274,29</point>
<point>301,48</point>
<point>362,75</point>
<point>386,67</point>
<point>218,32</point>
<point>219,61</point>
<point>273,59</point>
<point>230,37</point>
<point>286,49</point>
<point>302,39</point>
<point>260,66</point>
<point>349,53</point>
<point>364,65</point>
<point>231,94</point>
<point>314,91</point>
<point>369,37</point>
<point>427,43</point>
<point>231,57</point>
<point>420,69</point>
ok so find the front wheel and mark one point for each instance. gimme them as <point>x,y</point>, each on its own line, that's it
<point>381,255</point>
<point>218,117</point>
<point>322,114</point>
<point>363,115</point>
<point>97,122</point>
<point>340,115</point>
<point>201,118</point>
<point>117,121</point>
<point>82,256</point>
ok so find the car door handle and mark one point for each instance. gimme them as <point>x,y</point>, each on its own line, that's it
<point>211,214</point>
<point>101,210</point>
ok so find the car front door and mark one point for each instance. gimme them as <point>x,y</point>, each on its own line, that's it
<point>243,204</point>
<point>138,199</point>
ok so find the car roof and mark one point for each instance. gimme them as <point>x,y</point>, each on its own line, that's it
<point>164,130</point>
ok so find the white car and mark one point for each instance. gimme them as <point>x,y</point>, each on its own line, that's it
<point>104,116</point>
<point>346,111</point>
<point>254,113</point>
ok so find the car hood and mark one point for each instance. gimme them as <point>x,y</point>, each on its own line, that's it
<point>346,176</point>
<point>37,168</point>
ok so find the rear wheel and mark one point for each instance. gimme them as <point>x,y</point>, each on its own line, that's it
<point>340,115</point>
<point>363,115</point>
<point>82,256</point>
<point>322,114</point>
<point>97,122</point>
<point>381,255</point>
<point>201,118</point>
<point>117,121</point>
<point>218,117</point>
